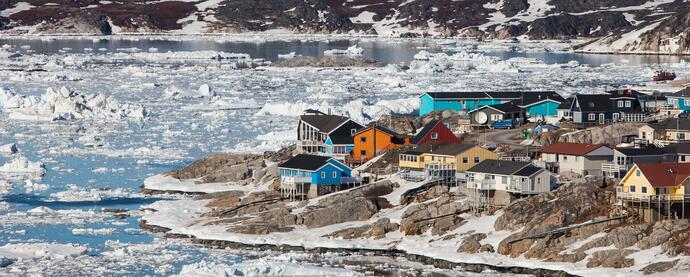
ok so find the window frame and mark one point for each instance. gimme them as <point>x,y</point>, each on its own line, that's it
<point>323,174</point>
<point>628,103</point>
<point>592,117</point>
<point>434,135</point>
<point>620,103</point>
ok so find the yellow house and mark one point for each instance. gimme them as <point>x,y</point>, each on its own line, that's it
<point>444,156</point>
<point>656,191</point>
<point>665,180</point>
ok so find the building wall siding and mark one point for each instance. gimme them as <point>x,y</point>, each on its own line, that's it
<point>473,152</point>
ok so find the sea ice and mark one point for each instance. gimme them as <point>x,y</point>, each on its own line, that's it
<point>22,165</point>
<point>8,149</point>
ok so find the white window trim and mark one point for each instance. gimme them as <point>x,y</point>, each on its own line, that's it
<point>434,135</point>
<point>323,174</point>
<point>592,116</point>
<point>335,174</point>
<point>628,104</point>
<point>620,103</point>
<point>687,102</point>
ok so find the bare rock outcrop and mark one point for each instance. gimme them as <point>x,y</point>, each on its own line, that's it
<point>439,216</point>
<point>570,204</point>
<point>659,267</point>
<point>471,244</point>
<point>615,258</point>
<point>376,230</point>
<point>354,205</point>
<point>423,194</point>
<point>222,168</point>
<point>609,134</point>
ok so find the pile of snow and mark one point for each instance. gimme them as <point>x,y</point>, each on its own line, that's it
<point>66,104</point>
<point>261,268</point>
<point>287,56</point>
<point>41,250</point>
<point>359,110</point>
<point>22,165</point>
<point>353,50</point>
<point>8,149</point>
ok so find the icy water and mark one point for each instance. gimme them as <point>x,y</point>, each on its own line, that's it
<point>394,51</point>
<point>253,110</point>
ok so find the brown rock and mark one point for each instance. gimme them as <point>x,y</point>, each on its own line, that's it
<point>470,243</point>
<point>611,258</point>
<point>376,230</point>
<point>440,216</point>
<point>658,267</point>
<point>354,205</point>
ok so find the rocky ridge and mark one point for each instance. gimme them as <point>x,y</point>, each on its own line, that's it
<point>612,25</point>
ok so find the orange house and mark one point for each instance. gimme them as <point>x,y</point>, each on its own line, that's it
<point>374,140</point>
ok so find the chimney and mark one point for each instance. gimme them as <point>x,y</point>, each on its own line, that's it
<point>670,170</point>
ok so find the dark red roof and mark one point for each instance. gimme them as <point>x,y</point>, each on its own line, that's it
<point>578,149</point>
<point>665,174</point>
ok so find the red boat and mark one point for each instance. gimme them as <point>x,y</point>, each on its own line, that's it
<point>661,75</point>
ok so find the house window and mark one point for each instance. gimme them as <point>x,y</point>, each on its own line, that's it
<point>682,158</point>
<point>353,131</point>
<point>470,177</point>
<point>323,175</point>
<point>363,152</point>
<point>464,160</point>
<point>620,103</point>
<point>637,172</point>
<point>476,160</point>
<point>335,174</point>
<point>577,158</point>
<point>628,104</point>
<point>592,117</point>
<point>643,189</point>
<point>363,139</point>
<point>496,117</point>
<point>434,135</point>
<point>632,188</point>
<point>304,174</point>
<point>687,102</point>
<point>539,181</point>
<point>680,136</point>
<point>565,158</point>
<point>504,179</point>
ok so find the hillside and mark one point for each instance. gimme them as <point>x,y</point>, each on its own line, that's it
<point>612,25</point>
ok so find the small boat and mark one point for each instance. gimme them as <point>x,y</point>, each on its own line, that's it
<point>661,75</point>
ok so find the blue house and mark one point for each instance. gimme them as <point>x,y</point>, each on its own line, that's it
<point>464,102</point>
<point>593,109</point>
<point>680,99</point>
<point>313,174</point>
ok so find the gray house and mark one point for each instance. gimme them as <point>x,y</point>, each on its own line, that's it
<point>486,115</point>
<point>625,158</point>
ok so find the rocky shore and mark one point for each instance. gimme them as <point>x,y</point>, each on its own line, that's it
<point>425,222</point>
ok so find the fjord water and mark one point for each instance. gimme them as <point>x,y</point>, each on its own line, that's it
<point>384,51</point>
<point>105,173</point>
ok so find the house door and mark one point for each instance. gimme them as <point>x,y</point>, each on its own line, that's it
<point>615,117</point>
<point>602,119</point>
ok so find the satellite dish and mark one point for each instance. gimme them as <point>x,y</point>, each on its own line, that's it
<point>481,117</point>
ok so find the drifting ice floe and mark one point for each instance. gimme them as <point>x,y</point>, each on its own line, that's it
<point>358,110</point>
<point>31,186</point>
<point>8,149</point>
<point>353,50</point>
<point>22,165</point>
<point>41,250</point>
<point>66,104</point>
<point>204,91</point>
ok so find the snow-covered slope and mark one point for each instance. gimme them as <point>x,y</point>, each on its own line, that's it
<point>615,25</point>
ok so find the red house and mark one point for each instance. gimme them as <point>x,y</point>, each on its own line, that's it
<point>434,131</point>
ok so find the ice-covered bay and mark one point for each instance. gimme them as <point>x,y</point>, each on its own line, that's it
<point>96,163</point>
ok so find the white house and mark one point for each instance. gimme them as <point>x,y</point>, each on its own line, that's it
<point>498,182</point>
<point>580,158</point>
